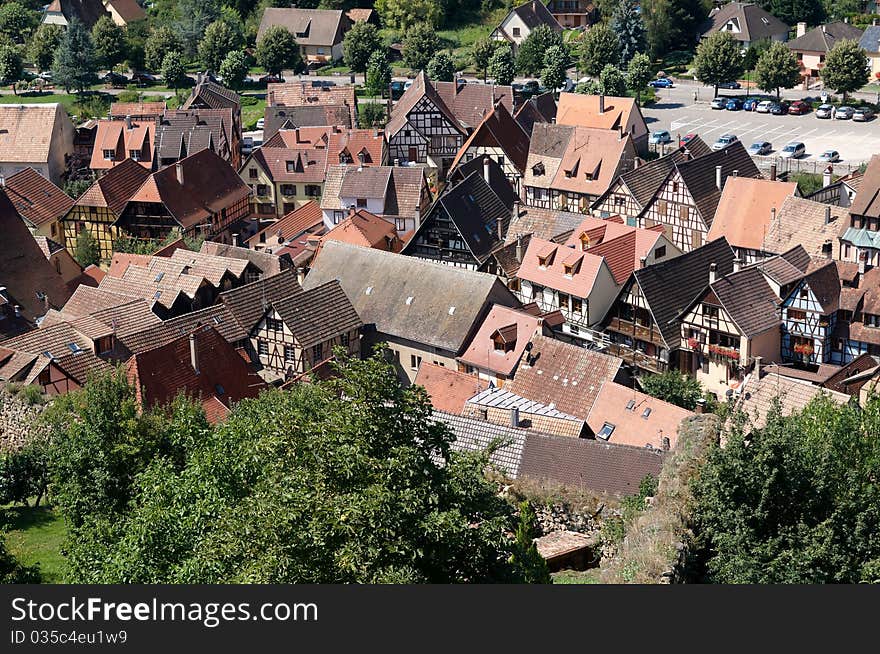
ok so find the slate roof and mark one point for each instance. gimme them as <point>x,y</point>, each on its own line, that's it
<point>498,129</point>
<point>36,199</point>
<point>542,223</point>
<point>870,40</point>
<point>477,435</point>
<point>603,468</point>
<point>824,282</point>
<point>248,303</point>
<point>198,129</point>
<point>754,22</point>
<point>564,375</point>
<point>802,222</point>
<point>447,388</point>
<point>670,286</point>
<point>115,187</point>
<point>787,267</point>
<point>445,303</point>
<point>209,95</point>
<point>823,37</point>
<point>497,179</point>
<point>318,314</point>
<point>748,300</point>
<point>537,109</point>
<point>747,209</point>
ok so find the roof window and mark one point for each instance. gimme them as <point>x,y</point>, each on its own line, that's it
<point>606,431</point>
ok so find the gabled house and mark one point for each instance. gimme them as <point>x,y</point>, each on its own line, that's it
<point>745,22</point>
<point>571,14</point>
<point>502,138</point>
<point>209,95</point>
<point>811,47</point>
<point>870,43</point>
<point>124,12</point>
<point>201,194</point>
<point>39,202</point>
<point>365,147</point>
<point>318,32</point>
<point>303,222</point>
<point>38,136</point>
<point>185,132</point>
<point>860,237</point>
<point>537,109</point>
<point>421,310</point>
<point>448,389</point>
<point>522,20</point>
<point>618,114</point>
<point>366,230</point>
<point>841,192</point>
<point>644,322</point>
<point>463,227</point>
<point>399,195</point>
<point>61,12</point>
<point>98,209</point>
<point>747,211</point>
<point>686,201</point>
<point>812,225</point>
<point>302,102</point>
<point>809,317</point>
<point>631,192</point>
<point>734,319</point>
<point>137,111</point>
<point>282,179</point>
<point>118,140</point>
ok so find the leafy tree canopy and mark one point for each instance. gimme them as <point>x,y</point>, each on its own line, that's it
<point>220,39</point>
<point>501,66</point>
<point>672,386</point>
<point>777,68</point>
<point>87,251</point>
<point>11,65</point>
<point>109,41</point>
<point>673,24</point>
<point>846,67</point>
<point>441,68</point>
<point>419,45</point>
<point>361,41</point>
<point>718,60</point>
<point>599,48</point>
<point>553,75</point>
<point>378,73</point>
<point>173,70</point>
<point>613,81</point>
<point>482,52</point>
<point>234,69</point>
<point>17,21</point>
<point>278,51</point>
<point>42,46</point>
<point>160,42</point>
<point>531,52</point>
<point>403,14</point>
<point>792,12</point>
<point>638,74</point>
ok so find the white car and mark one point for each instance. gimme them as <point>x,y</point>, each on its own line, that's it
<point>829,156</point>
<point>793,150</point>
<point>261,123</point>
<point>724,140</point>
<point>764,107</point>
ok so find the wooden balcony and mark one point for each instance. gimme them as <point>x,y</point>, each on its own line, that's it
<point>639,332</point>
<point>637,359</point>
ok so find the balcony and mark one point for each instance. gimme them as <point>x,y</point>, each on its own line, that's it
<point>639,332</point>
<point>637,358</point>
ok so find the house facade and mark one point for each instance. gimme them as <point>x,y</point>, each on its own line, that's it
<point>283,179</point>
<point>746,22</point>
<point>318,32</point>
<point>522,20</point>
<point>38,136</point>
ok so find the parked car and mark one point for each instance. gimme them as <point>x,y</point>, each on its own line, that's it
<point>687,138</point>
<point>799,108</point>
<point>270,79</point>
<point>143,79</point>
<point>247,145</point>
<point>730,85</point>
<point>793,150</point>
<point>724,140</point>
<point>396,90</point>
<point>261,123</point>
<point>46,75</point>
<point>829,156</point>
<point>660,136</point>
<point>750,104</point>
<point>760,147</point>
<point>844,113</point>
<point>779,108</point>
<point>115,79</point>
<point>662,83</point>
<point>764,106</point>
<point>862,115</point>
<point>718,103</point>
<point>825,111</point>
<point>734,104</point>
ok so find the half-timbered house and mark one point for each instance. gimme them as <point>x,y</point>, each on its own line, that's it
<point>686,201</point>
<point>860,238</point>
<point>809,318</point>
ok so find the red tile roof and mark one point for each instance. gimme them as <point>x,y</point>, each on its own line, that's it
<point>511,325</point>
<point>137,110</point>
<point>291,225</point>
<point>115,135</point>
<point>448,389</point>
<point>35,198</point>
<point>367,230</point>
<point>115,187</point>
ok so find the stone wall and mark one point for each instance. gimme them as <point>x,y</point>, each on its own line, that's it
<point>17,419</point>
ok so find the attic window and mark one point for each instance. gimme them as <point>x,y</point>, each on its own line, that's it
<point>538,169</point>
<point>409,300</point>
<point>159,277</point>
<point>76,349</point>
<point>606,431</point>
<point>630,405</point>
<point>646,413</point>
<point>569,269</point>
<point>109,155</point>
<point>369,290</point>
<point>291,166</point>
<point>451,311</point>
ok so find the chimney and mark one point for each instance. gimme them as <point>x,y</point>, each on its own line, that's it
<point>514,417</point>
<point>500,230</point>
<point>178,169</point>
<point>128,122</point>
<point>713,272</point>
<point>701,406</point>
<point>737,264</point>
<point>296,135</point>
<point>802,29</point>
<point>486,169</point>
<point>300,275</point>
<point>758,361</point>
<point>601,103</point>
<point>772,172</point>
<point>863,266</point>
<point>519,249</point>
<point>637,162</point>
<point>516,208</point>
<point>664,442</point>
<point>735,173</point>
<point>235,240</point>
<point>827,213</point>
<point>718,177</point>
<point>772,215</point>
<point>397,162</point>
<point>620,132</point>
<point>823,28</point>
<point>826,176</point>
<point>193,353</point>
<point>643,262</point>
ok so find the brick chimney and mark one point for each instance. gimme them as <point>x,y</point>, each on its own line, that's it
<point>601,103</point>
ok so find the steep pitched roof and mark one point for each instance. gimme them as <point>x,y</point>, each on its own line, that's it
<point>870,40</point>
<point>118,137</point>
<point>803,222</point>
<point>542,223</point>
<point>497,179</point>
<point>248,303</point>
<point>291,225</point>
<point>409,297</point>
<point>129,10</point>
<point>787,267</point>
<point>317,314</point>
<point>670,286</point>
<point>537,109</point>
<point>535,13</point>
<point>287,165</point>
<point>823,37</point>
<point>304,94</point>
<point>585,267</point>
<point>85,11</point>
<point>210,95</point>
<point>747,209</point>
<point>26,134</point>
<point>748,300</point>
<point>794,395</point>
<point>512,325</point>
<point>311,27</point>
<point>867,200</point>
<point>754,22</point>
<point>268,264</point>
<point>419,88</point>
<point>115,187</point>
<point>498,129</point>
<point>36,199</point>
<point>469,103</point>
<point>365,229</point>
<point>582,110</point>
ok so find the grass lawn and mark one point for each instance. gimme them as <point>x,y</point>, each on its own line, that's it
<point>34,536</point>
<point>576,576</point>
<point>92,105</point>
<point>251,113</point>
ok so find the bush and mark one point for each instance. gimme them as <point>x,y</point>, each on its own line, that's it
<point>32,395</point>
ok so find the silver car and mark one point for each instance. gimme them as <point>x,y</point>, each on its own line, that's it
<point>793,150</point>
<point>844,113</point>
<point>862,115</point>
<point>724,141</point>
<point>825,111</point>
<point>829,156</point>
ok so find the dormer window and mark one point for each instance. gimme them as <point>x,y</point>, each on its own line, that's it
<point>872,320</point>
<point>504,339</point>
<point>291,166</point>
<point>538,169</point>
<point>109,155</point>
<point>546,258</point>
<point>569,269</point>
<point>135,155</point>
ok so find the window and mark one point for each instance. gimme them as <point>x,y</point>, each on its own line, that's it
<point>262,190</point>
<point>675,187</point>
<point>500,160</point>
<point>274,325</point>
<point>345,339</point>
<point>872,320</point>
<point>289,354</point>
<point>135,155</point>
<point>109,155</point>
<point>318,352</point>
<point>710,312</point>
<point>414,361</point>
<point>606,431</point>
<point>577,305</point>
<point>805,292</point>
<point>436,121</point>
<point>796,314</point>
<point>313,191</point>
<point>661,207</point>
<point>400,225</point>
<point>252,173</point>
<point>265,208</point>
<point>516,31</point>
<point>337,216</point>
<point>288,189</point>
<point>660,252</point>
<point>361,203</point>
<point>263,348</point>
<point>619,201</point>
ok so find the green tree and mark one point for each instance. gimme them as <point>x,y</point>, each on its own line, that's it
<point>530,563</point>
<point>796,501</point>
<point>136,35</point>
<point>501,66</point>
<point>373,114</point>
<point>777,69</point>
<point>42,46</point>
<point>846,67</point>
<point>74,66</point>
<point>531,52</point>
<point>278,51</point>
<point>627,23</point>
<point>361,41</point>
<point>11,66</point>
<point>613,81</point>
<point>161,41</point>
<point>234,69</point>
<point>419,45</point>
<point>193,18</point>
<point>378,73</point>
<point>349,480</point>
<point>718,60</point>
<point>109,41</point>
<point>220,39</point>
<point>672,24</point>
<point>553,75</point>
<point>17,21</point>
<point>173,71</point>
<point>812,12</point>
<point>403,14</point>
<point>13,572</point>
<point>441,68</point>
<point>88,250</point>
<point>24,473</point>
<point>481,54</point>
<point>674,387</point>
<point>638,74</point>
<point>599,48</point>
<point>754,52</point>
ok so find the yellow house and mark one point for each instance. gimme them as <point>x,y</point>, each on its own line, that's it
<point>283,179</point>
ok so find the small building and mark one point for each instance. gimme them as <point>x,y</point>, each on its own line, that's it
<point>182,133</point>
<point>809,318</point>
<point>61,12</point>
<point>448,389</point>
<point>138,111</point>
<point>209,95</point>
<point>306,219</point>
<point>812,225</point>
<point>860,237</point>
<point>38,136</point>
<point>811,47</point>
<point>39,202</point>
<point>118,140</point>
<point>498,345</point>
<point>366,230</point>
<point>522,20</point>
<point>746,22</point>
<point>621,115</point>
<point>124,12</point>
<point>319,32</point>
<point>302,102</point>
<point>572,14</point>
<point>283,179</point>
<point>537,109</point>
<point>870,43</point>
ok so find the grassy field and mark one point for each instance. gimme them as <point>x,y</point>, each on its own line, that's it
<point>34,536</point>
<point>251,113</point>
<point>576,576</point>
<point>92,105</point>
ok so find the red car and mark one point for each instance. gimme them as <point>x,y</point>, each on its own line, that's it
<point>685,139</point>
<point>798,108</point>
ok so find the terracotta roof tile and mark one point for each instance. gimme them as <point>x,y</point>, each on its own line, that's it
<point>296,94</point>
<point>27,135</point>
<point>448,389</point>
<point>35,198</point>
<point>747,209</point>
<point>290,226</point>
<point>520,328</point>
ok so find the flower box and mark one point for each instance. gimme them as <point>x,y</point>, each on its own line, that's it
<point>720,351</point>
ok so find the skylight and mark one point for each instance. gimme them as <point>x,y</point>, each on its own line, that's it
<point>646,413</point>
<point>630,405</point>
<point>159,277</point>
<point>606,431</point>
<point>74,348</point>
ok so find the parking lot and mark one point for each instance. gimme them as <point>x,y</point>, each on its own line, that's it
<point>856,142</point>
